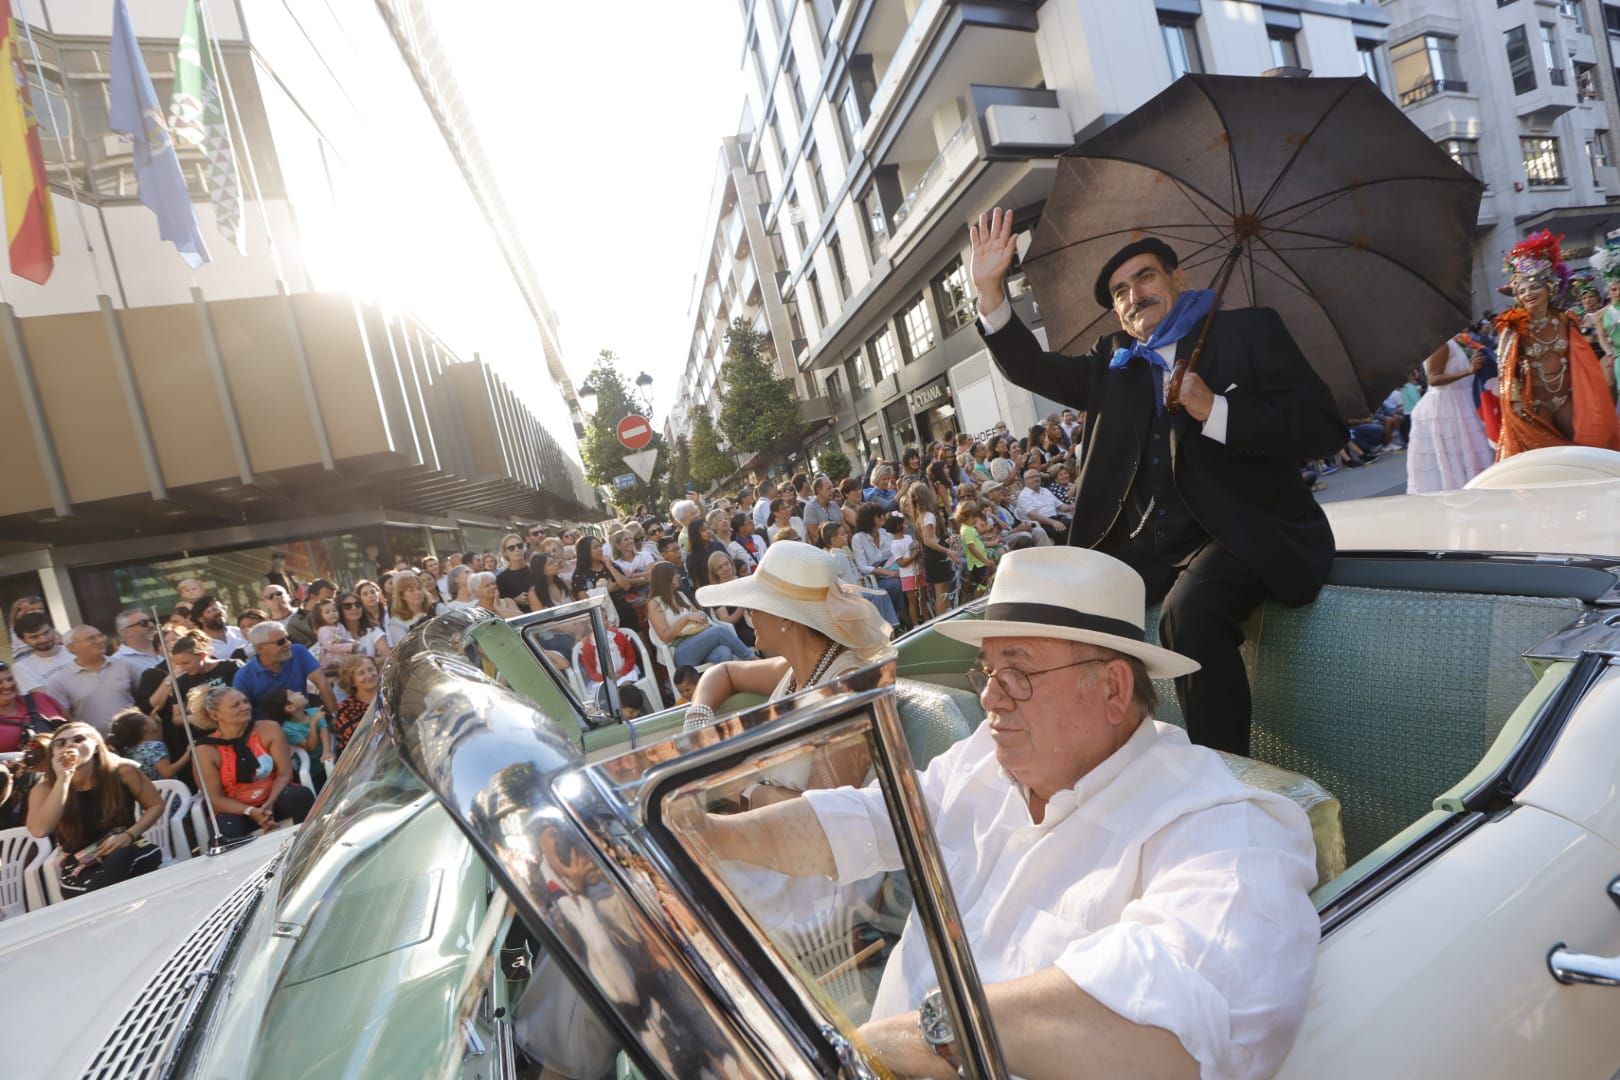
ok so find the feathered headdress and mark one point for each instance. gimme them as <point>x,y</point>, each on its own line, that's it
<point>1540,255</point>
<point>1606,261</point>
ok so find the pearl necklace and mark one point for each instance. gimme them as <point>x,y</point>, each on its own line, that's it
<point>821,667</point>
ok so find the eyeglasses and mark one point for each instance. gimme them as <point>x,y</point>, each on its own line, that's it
<point>1015,683</point>
<point>514,547</point>
<point>71,740</point>
<point>139,622</point>
<point>350,604</point>
<point>279,642</point>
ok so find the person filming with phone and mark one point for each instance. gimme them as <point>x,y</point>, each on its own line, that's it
<point>86,803</point>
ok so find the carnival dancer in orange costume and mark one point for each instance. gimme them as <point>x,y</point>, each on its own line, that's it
<point>1552,389</point>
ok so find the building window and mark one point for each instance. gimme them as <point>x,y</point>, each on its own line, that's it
<point>1284,47</point>
<point>1549,53</point>
<point>835,251</point>
<point>1588,87</point>
<point>1611,19</point>
<point>812,157</point>
<point>795,320</point>
<point>919,337</point>
<point>814,286</point>
<point>1181,45</point>
<point>1425,66</point>
<point>1572,9</point>
<point>1597,155</point>
<point>859,374</point>
<point>835,390</point>
<point>1370,67</point>
<point>875,222</point>
<point>885,354</point>
<point>850,118</point>
<point>796,219</point>
<point>952,296</point>
<point>790,71</point>
<point>1520,60</point>
<point>1464,152</point>
<point>1542,165</point>
<point>776,140</point>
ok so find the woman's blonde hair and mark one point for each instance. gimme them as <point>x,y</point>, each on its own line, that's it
<point>201,703</point>
<point>716,558</point>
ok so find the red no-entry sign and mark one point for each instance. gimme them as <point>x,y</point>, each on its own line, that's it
<point>634,432</point>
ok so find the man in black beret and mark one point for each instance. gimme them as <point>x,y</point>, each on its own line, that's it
<point>1206,503</point>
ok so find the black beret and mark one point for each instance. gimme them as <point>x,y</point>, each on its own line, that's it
<point>1148,245</point>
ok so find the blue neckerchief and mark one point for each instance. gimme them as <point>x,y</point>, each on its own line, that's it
<point>1190,307</point>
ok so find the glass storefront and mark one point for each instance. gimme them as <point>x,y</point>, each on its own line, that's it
<point>872,438</point>
<point>898,416</point>
<point>935,411</point>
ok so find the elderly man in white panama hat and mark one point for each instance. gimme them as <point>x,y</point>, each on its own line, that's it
<point>1132,908</point>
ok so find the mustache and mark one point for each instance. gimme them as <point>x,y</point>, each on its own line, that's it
<point>1142,305</point>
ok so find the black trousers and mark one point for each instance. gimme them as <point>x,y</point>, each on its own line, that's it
<point>293,802</point>
<point>1207,599</point>
<point>131,860</point>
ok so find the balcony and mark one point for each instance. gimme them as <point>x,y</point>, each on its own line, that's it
<point>906,52</point>
<point>1546,103</point>
<point>736,237</point>
<point>1608,181</point>
<point>1426,90</point>
<point>958,154</point>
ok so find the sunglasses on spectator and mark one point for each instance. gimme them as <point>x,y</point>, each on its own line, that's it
<point>70,740</point>
<point>140,622</point>
<point>351,604</point>
<point>514,547</point>
<point>280,641</point>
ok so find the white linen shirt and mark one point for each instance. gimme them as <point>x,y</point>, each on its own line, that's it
<point>1159,884</point>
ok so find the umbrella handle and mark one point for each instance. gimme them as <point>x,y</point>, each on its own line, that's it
<point>1172,396</point>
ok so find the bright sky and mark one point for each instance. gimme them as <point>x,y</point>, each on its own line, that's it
<point>604,123</point>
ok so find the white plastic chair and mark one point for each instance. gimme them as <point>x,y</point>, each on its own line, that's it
<point>21,857</point>
<point>648,682</point>
<point>300,759</point>
<point>666,654</point>
<point>169,832</point>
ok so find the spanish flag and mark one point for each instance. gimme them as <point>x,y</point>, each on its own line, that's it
<point>30,221</point>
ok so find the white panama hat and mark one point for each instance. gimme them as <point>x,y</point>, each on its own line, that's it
<point>1073,594</point>
<point>797,582</point>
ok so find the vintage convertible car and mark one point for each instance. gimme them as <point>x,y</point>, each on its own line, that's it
<point>499,861</point>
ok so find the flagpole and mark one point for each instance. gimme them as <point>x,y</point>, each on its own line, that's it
<point>222,77</point>
<point>61,146</point>
<point>216,843</point>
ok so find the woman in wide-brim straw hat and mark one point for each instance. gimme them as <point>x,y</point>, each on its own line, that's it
<point>809,627</point>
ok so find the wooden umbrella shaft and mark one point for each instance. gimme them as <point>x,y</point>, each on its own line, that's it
<point>1172,397</point>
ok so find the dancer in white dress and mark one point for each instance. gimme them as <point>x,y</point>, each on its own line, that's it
<point>1448,445</point>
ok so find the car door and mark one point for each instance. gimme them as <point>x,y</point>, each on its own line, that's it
<point>1444,971</point>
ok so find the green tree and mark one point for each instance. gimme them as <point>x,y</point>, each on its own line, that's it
<point>680,470</point>
<point>709,463</point>
<point>600,450</point>
<point>835,463</point>
<point>759,412</point>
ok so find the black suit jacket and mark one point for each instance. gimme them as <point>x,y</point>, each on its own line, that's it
<point>1246,493</point>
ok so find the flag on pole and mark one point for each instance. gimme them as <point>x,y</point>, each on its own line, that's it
<point>30,220</point>
<point>135,112</point>
<point>197,118</point>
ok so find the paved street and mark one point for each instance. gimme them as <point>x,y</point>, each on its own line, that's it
<point>1386,476</point>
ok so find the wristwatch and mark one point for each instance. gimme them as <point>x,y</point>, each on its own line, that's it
<point>937,1031</point>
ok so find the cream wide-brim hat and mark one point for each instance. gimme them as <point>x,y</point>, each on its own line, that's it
<point>1072,594</point>
<point>797,582</point>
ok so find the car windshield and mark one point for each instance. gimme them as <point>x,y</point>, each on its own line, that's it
<point>354,906</point>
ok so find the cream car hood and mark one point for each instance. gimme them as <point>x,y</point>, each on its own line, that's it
<point>1561,500</point>
<point>87,959</point>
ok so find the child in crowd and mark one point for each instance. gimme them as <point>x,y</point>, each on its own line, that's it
<point>305,728</point>
<point>332,639</point>
<point>686,678</point>
<point>979,563</point>
<point>632,702</point>
<point>139,737</point>
<point>906,555</point>
<point>623,655</point>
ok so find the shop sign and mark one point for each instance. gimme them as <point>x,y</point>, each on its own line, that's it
<point>928,395</point>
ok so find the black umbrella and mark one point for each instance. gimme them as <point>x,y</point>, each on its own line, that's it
<point>1316,197</point>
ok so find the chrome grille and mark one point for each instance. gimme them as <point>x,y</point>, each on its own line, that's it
<point>148,1036</point>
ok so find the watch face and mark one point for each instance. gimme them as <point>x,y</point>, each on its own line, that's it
<point>934,1021</point>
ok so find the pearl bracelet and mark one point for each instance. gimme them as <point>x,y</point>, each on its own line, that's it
<point>697,716</point>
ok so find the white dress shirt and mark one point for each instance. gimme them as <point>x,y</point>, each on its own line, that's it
<point>1214,425</point>
<point>1164,888</point>
<point>142,661</point>
<point>1038,501</point>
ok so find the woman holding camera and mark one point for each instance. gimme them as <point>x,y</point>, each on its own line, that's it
<point>86,803</point>
<point>245,765</point>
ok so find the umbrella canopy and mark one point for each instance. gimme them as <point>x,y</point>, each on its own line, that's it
<point>1350,222</point>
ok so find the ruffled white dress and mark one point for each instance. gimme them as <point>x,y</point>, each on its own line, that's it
<point>1448,447</point>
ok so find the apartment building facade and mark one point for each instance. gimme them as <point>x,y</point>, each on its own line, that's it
<point>1523,94</point>
<point>875,130</point>
<point>376,372</point>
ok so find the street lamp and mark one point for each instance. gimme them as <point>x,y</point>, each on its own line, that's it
<point>587,399</point>
<point>644,380</point>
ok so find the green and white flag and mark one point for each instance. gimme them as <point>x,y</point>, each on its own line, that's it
<point>197,119</point>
